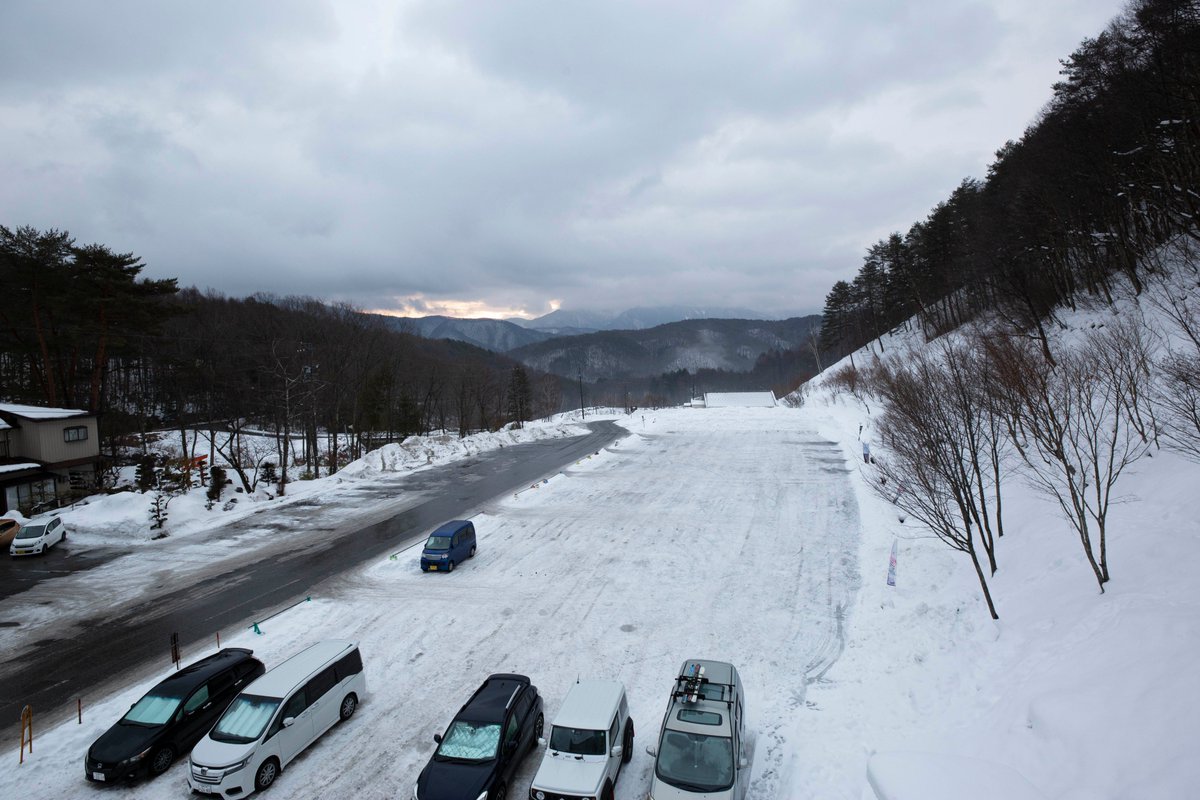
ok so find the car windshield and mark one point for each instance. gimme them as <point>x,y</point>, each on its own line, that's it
<point>31,531</point>
<point>245,720</point>
<point>153,709</point>
<point>579,741</point>
<point>470,741</point>
<point>438,543</point>
<point>695,762</point>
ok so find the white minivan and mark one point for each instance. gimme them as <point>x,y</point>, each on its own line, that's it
<point>276,717</point>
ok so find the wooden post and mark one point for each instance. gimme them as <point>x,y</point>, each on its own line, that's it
<point>26,726</point>
<point>79,703</point>
<point>175,650</point>
<point>218,640</point>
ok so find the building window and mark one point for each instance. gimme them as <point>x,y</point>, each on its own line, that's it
<point>36,495</point>
<point>75,434</point>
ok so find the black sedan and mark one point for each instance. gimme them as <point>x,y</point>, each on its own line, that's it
<point>480,751</point>
<point>171,717</point>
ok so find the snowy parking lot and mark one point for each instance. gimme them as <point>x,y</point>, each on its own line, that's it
<point>748,535</point>
<point>727,534</point>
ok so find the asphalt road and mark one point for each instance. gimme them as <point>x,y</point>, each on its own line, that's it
<point>125,641</point>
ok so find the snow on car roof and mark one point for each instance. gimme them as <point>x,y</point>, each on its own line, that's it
<point>590,705</point>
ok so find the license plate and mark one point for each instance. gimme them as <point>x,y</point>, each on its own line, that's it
<point>202,789</point>
<point>433,567</point>
<point>98,776</point>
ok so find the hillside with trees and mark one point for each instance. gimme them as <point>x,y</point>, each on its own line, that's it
<point>82,329</point>
<point>1106,176</point>
<point>1094,210</point>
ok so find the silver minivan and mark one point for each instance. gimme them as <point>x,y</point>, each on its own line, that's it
<point>276,717</point>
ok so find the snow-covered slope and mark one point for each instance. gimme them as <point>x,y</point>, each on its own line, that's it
<point>1086,695</point>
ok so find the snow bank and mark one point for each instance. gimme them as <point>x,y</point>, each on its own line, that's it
<point>420,451</point>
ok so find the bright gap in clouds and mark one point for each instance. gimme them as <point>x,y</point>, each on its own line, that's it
<point>420,306</point>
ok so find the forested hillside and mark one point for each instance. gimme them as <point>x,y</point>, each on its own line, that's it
<point>732,345</point>
<point>1095,208</point>
<point>80,328</point>
<point>1107,174</point>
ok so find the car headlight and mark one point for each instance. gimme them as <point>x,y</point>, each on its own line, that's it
<point>539,795</point>
<point>482,795</point>
<point>415,785</point>
<point>234,767</point>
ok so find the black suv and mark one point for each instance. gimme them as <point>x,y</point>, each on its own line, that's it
<point>481,749</point>
<point>171,717</point>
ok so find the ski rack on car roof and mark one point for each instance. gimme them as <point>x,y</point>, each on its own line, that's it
<point>690,685</point>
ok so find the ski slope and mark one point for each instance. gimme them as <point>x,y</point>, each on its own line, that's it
<point>730,534</point>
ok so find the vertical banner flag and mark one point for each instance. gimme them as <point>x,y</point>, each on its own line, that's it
<point>892,564</point>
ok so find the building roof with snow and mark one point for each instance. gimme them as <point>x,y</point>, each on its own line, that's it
<point>41,412</point>
<point>739,399</point>
<point>19,467</point>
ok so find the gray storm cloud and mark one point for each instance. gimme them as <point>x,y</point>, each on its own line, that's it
<point>512,154</point>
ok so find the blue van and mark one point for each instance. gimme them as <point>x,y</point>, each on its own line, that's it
<point>450,544</point>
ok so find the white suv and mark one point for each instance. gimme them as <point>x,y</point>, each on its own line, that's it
<point>592,736</point>
<point>701,751</point>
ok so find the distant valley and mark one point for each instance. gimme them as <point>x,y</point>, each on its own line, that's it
<point>732,345</point>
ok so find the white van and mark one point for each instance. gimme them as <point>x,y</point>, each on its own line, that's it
<point>275,718</point>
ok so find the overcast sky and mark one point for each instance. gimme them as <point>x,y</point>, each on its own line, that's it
<point>495,158</point>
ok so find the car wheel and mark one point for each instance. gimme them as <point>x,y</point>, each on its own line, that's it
<point>472,553</point>
<point>539,727</point>
<point>500,792</point>
<point>268,771</point>
<point>349,704</point>
<point>450,567</point>
<point>160,760</point>
<point>627,752</point>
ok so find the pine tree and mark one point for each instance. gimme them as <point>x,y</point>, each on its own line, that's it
<point>520,396</point>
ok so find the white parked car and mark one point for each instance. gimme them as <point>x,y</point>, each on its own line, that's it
<point>275,718</point>
<point>591,738</point>
<point>38,537</point>
<point>701,750</point>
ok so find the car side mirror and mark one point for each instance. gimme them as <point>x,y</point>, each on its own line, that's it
<point>289,722</point>
<point>651,750</point>
<point>437,737</point>
<point>541,741</point>
<point>618,751</point>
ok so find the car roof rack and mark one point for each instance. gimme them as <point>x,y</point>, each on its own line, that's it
<point>690,687</point>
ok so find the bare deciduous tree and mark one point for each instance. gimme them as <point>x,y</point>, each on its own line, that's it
<point>932,471</point>
<point>1079,424</point>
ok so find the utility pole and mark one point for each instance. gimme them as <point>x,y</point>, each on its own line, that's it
<point>582,412</point>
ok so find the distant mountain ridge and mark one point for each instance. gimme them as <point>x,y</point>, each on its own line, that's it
<point>691,345</point>
<point>503,335</point>
<point>496,335</point>
<point>564,322</point>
